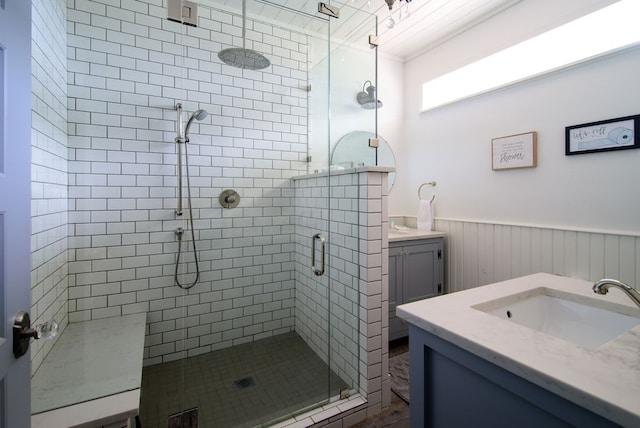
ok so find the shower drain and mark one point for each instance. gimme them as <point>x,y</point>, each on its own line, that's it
<point>245,382</point>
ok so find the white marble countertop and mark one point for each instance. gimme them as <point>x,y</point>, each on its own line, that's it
<point>410,234</point>
<point>91,360</point>
<point>605,380</point>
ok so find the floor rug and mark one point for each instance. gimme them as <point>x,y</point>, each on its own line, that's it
<point>399,369</point>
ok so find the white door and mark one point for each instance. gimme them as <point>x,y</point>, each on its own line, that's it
<point>15,194</point>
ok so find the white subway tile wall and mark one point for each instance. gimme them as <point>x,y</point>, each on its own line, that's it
<point>128,67</point>
<point>49,213</point>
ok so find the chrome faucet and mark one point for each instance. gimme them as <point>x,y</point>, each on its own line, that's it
<point>602,286</point>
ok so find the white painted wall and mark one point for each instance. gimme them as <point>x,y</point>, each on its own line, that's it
<point>452,145</point>
<point>390,116</point>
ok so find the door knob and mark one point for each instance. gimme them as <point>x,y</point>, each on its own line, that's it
<point>22,332</point>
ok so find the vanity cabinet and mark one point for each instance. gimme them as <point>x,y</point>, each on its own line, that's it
<point>471,368</point>
<point>445,377</point>
<point>416,272</point>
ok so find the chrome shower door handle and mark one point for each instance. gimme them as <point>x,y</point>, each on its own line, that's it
<point>314,238</point>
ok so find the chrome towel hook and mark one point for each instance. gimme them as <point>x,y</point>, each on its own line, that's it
<point>430,183</point>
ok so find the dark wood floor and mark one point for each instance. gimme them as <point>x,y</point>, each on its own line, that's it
<point>397,415</point>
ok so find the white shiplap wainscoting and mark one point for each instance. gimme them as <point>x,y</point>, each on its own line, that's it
<point>480,253</point>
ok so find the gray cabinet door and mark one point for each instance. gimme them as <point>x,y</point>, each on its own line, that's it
<point>421,272</point>
<point>415,273</point>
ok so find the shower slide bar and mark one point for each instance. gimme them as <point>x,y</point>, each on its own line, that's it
<point>179,140</point>
<point>317,237</point>
<point>183,138</point>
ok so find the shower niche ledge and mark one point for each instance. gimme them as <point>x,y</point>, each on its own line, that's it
<point>339,170</point>
<point>92,375</point>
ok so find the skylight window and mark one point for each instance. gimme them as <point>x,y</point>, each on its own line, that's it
<point>611,28</point>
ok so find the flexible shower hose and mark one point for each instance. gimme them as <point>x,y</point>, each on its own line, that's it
<point>193,237</point>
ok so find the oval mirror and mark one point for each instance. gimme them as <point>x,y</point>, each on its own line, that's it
<point>353,150</point>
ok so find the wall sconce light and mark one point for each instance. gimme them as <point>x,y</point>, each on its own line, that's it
<point>367,98</point>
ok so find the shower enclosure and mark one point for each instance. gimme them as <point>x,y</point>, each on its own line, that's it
<point>268,324</point>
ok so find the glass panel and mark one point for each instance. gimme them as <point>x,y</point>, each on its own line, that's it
<point>353,62</point>
<point>319,96</point>
<point>352,70</point>
<point>353,149</point>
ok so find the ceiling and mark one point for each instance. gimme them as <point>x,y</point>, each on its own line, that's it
<point>427,24</point>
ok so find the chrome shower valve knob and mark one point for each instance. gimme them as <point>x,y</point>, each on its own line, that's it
<point>229,198</point>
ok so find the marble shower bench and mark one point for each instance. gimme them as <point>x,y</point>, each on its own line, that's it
<point>92,376</point>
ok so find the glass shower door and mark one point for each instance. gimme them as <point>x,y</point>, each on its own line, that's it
<point>330,201</point>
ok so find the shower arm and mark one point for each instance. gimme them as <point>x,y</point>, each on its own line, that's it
<point>244,24</point>
<point>179,139</point>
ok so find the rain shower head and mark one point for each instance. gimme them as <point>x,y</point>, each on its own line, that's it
<point>242,57</point>
<point>197,115</point>
<point>367,98</point>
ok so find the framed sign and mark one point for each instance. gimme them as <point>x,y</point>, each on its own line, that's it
<point>514,151</point>
<point>603,136</point>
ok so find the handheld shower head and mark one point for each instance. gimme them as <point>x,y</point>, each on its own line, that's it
<point>197,115</point>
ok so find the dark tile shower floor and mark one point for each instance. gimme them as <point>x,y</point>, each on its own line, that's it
<point>248,385</point>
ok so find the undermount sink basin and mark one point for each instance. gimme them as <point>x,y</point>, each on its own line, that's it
<point>586,322</point>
